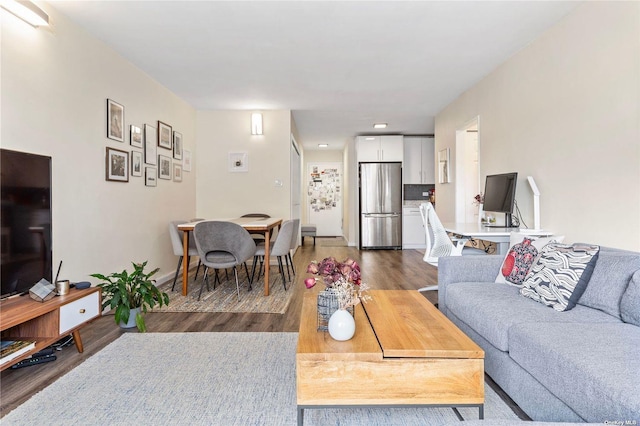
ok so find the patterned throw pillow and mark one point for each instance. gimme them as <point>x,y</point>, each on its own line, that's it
<point>520,257</point>
<point>560,274</point>
<point>518,261</point>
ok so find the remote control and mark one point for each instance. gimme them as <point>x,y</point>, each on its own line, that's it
<point>33,361</point>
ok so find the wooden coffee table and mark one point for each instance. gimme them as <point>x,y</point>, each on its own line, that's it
<point>405,353</point>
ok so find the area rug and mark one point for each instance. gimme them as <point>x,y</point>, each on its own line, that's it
<point>205,379</point>
<point>224,297</point>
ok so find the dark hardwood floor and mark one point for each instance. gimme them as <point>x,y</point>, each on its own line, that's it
<point>381,269</point>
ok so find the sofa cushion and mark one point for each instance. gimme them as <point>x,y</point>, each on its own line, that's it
<point>492,308</point>
<point>609,280</point>
<point>523,251</point>
<point>560,274</point>
<point>593,368</point>
<point>630,302</point>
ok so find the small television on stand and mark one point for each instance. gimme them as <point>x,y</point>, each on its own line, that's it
<point>500,196</point>
<point>26,254</point>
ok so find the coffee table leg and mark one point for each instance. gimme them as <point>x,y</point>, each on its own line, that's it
<point>300,416</point>
<point>481,411</point>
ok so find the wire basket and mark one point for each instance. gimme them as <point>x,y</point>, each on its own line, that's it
<point>328,303</point>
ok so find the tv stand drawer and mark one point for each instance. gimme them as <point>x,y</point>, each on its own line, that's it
<point>78,312</point>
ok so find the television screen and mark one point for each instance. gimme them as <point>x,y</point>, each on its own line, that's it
<point>25,184</point>
<point>500,193</point>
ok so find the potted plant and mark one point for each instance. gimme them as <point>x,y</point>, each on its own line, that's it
<point>131,294</point>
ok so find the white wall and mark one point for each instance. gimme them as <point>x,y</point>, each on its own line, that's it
<point>224,194</point>
<point>55,83</point>
<point>565,110</point>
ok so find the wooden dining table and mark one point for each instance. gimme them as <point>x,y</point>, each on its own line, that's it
<point>263,226</point>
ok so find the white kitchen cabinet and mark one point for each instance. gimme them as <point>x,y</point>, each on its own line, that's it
<point>413,236</point>
<point>380,148</point>
<point>418,164</point>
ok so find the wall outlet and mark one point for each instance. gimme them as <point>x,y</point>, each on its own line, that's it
<point>425,194</point>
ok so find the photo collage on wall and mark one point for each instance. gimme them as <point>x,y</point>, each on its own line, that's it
<point>324,188</point>
<point>168,164</point>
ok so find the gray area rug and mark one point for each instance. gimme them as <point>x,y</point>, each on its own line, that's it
<point>224,297</point>
<point>205,379</point>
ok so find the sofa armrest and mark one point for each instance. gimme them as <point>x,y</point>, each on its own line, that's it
<point>457,269</point>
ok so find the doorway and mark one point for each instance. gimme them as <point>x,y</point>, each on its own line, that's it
<point>324,198</point>
<point>468,182</point>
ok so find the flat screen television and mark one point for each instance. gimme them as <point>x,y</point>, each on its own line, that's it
<point>500,195</point>
<point>26,255</point>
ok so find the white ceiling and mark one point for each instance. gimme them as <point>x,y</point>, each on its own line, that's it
<point>339,66</point>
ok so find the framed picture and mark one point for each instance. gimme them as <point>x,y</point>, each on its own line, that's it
<point>177,172</point>
<point>443,166</point>
<point>164,135</point>
<point>136,163</point>
<point>164,167</point>
<point>150,147</point>
<point>150,178</point>
<point>136,136</point>
<point>238,161</point>
<point>117,166</point>
<point>115,121</point>
<point>186,160</point>
<point>177,145</point>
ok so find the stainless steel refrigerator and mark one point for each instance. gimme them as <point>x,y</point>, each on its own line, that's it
<point>381,205</point>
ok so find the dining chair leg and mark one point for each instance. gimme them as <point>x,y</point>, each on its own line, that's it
<point>235,272</point>
<point>205,282</point>
<point>286,260</point>
<point>249,280</point>
<point>253,267</point>
<point>177,270</point>
<point>260,268</point>
<point>217,278</point>
<point>198,269</point>
<point>293,269</point>
<point>281,267</point>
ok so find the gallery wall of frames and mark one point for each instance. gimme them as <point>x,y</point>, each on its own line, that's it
<point>156,150</point>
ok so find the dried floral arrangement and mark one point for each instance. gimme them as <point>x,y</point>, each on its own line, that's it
<point>343,277</point>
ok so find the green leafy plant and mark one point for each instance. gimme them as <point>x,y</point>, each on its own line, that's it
<point>124,291</point>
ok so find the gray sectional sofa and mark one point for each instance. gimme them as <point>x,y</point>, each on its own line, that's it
<point>582,365</point>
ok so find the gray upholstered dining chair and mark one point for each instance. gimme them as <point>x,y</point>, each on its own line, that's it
<point>223,245</point>
<point>178,250</point>
<point>279,248</point>
<point>294,244</point>
<point>257,238</point>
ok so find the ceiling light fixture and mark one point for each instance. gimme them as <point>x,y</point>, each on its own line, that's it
<point>370,138</point>
<point>380,126</point>
<point>323,145</point>
<point>27,11</point>
<point>256,123</point>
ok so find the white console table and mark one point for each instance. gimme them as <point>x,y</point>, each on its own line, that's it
<point>500,236</point>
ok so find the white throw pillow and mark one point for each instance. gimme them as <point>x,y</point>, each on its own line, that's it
<point>523,251</point>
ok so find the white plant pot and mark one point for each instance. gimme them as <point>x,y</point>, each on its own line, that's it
<point>342,326</point>
<point>132,319</point>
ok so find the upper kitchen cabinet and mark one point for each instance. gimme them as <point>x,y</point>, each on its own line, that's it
<point>380,148</point>
<point>418,164</point>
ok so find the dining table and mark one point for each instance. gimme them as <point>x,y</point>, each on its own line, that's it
<point>265,226</point>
